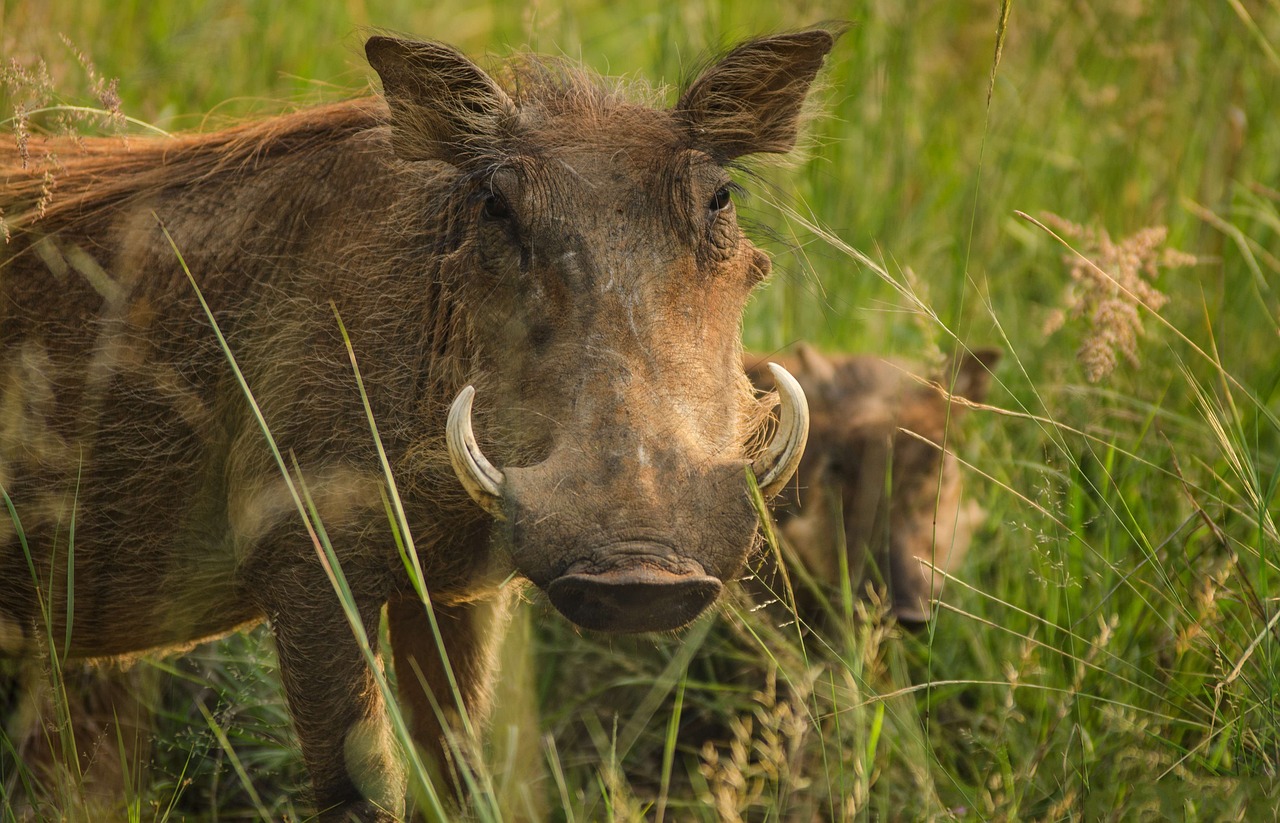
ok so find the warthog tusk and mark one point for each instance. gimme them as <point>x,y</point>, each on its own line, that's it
<point>478,476</point>
<point>781,459</point>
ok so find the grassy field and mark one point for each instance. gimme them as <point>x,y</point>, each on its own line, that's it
<point>1092,187</point>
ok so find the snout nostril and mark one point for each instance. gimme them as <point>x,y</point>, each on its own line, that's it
<point>633,600</point>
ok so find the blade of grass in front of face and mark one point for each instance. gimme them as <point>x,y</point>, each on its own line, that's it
<point>557,773</point>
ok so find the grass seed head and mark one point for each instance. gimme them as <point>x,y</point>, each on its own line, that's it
<point>1110,280</point>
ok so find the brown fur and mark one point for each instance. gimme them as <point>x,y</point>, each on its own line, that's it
<point>867,482</point>
<point>538,236</point>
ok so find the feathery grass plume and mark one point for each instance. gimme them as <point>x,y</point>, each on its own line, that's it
<point>30,87</point>
<point>34,92</point>
<point>106,91</point>
<point>1109,280</point>
<point>765,756</point>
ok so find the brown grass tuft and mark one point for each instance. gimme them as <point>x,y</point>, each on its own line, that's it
<point>765,755</point>
<point>1110,280</point>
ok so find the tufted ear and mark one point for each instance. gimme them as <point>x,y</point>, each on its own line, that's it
<point>443,106</point>
<point>751,100</point>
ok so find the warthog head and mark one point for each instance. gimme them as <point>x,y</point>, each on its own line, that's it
<point>601,277</point>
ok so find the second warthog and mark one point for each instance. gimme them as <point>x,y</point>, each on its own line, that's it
<point>532,245</point>
<point>879,491</point>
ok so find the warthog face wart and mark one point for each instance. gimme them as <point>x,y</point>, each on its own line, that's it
<point>541,282</point>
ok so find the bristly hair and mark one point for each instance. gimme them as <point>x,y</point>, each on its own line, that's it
<point>728,112</point>
<point>92,174</point>
<point>558,86</point>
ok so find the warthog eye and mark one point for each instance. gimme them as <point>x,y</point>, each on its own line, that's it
<point>721,200</point>
<point>495,207</point>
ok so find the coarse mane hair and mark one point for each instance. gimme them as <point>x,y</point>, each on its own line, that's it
<point>58,180</point>
<point>51,181</point>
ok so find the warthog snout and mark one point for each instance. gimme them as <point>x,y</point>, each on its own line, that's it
<point>570,519</point>
<point>484,482</point>
<point>636,596</point>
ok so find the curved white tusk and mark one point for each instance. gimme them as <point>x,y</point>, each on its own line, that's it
<point>478,476</point>
<point>781,459</point>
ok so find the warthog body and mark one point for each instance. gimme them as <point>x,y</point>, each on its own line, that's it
<point>571,255</point>
<point>869,483</point>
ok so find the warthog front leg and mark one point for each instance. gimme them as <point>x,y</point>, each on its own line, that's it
<point>471,634</point>
<point>335,701</point>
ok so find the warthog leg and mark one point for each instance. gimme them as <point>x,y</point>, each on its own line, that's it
<point>470,634</point>
<point>335,701</point>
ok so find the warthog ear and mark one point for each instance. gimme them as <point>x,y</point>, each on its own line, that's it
<point>971,369</point>
<point>443,106</point>
<point>816,364</point>
<point>751,100</point>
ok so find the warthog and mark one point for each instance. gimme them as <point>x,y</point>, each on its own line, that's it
<point>530,243</point>
<point>899,497</point>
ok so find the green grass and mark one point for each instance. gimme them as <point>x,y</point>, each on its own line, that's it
<point>1109,648</point>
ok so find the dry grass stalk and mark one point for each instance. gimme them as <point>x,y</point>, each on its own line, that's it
<point>106,91</point>
<point>29,87</point>
<point>32,90</point>
<point>765,755</point>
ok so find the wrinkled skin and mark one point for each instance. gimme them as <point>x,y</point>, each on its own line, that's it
<point>572,255</point>
<point>893,501</point>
